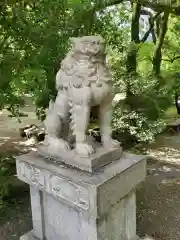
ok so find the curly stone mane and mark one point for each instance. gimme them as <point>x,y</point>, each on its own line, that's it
<point>83,63</point>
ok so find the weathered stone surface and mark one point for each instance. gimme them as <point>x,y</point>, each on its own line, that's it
<point>27,236</point>
<point>37,212</point>
<point>92,163</point>
<point>83,81</point>
<point>70,204</point>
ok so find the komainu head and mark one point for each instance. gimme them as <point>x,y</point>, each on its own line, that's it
<point>88,45</point>
<point>84,63</point>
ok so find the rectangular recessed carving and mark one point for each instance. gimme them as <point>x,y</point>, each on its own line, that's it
<point>30,174</point>
<point>69,192</point>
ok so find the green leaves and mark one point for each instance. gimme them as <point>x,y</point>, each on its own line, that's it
<point>37,37</point>
<point>34,39</point>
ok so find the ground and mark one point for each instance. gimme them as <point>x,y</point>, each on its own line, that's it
<point>158,198</point>
<point>15,217</point>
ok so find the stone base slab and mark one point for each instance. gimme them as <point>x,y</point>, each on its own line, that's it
<point>92,163</point>
<point>29,236</point>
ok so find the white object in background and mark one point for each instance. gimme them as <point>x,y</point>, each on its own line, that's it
<point>118,97</point>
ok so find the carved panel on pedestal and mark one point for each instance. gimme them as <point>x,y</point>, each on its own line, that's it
<point>30,174</point>
<point>70,192</point>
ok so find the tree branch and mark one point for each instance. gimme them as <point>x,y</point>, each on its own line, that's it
<point>151,22</point>
<point>135,23</point>
<point>146,12</point>
<point>171,60</point>
<point>157,53</point>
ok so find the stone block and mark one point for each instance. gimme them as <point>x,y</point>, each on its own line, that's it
<point>27,236</point>
<point>100,158</point>
<point>70,204</point>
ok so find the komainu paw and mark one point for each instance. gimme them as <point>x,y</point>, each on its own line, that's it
<point>59,144</point>
<point>84,149</point>
<point>111,143</point>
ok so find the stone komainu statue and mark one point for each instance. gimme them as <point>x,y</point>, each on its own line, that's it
<point>82,82</point>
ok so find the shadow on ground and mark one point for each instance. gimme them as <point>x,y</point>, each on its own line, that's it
<point>158,198</point>
<point>15,219</point>
<point>15,213</point>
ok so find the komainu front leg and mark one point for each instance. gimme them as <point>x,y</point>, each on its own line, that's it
<point>80,119</point>
<point>52,140</point>
<point>105,125</point>
<point>57,115</point>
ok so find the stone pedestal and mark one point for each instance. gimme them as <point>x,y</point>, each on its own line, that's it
<point>70,204</point>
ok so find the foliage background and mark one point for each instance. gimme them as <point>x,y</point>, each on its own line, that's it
<point>34,39</point>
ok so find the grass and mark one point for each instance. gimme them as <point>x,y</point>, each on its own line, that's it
<point>171,113</point>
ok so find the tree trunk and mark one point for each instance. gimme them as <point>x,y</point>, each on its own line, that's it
<point>158,20</point>
<point>131,63</point>
<point>177,103</point>
<point>158,53</point>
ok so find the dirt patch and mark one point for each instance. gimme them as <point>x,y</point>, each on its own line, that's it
<point>158,198</point>
<point>9,127</point>
<point>15,219</point>
<point>15,215</point>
